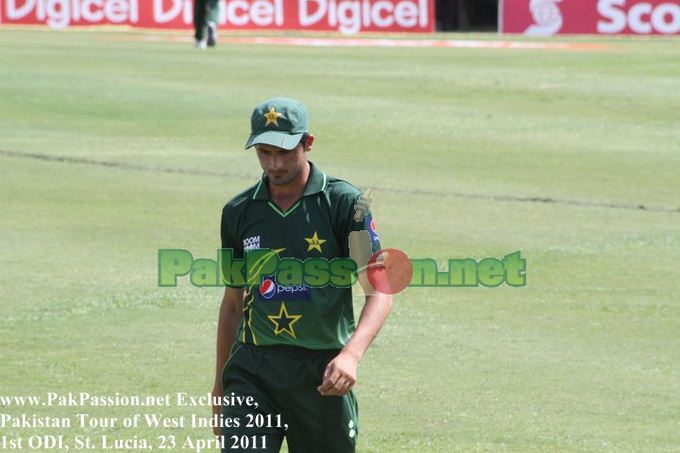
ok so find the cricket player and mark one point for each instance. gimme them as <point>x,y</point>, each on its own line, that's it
<point>206,15</point>
<point>294,349</point>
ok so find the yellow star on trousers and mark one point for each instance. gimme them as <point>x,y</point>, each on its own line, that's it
<point>314,242</point>
<point>283,323</point>
<point>272,117</point>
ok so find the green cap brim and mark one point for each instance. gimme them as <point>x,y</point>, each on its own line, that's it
<point>275,138</point>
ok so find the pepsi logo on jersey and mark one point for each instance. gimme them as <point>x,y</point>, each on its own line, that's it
<point>270,290</point>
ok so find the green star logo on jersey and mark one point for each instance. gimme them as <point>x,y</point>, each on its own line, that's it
<point>315,243</point>
<point>283,322</point>
<point>272,117</point>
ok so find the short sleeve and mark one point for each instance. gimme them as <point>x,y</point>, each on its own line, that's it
<point>228,235</point>
<point>366,224</point>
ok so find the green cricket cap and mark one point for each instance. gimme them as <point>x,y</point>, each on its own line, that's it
<point>278,122</point>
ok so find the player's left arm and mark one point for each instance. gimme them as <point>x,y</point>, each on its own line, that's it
<point>341,373</point>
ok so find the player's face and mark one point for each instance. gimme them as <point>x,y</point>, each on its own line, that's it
<point>281,165</point>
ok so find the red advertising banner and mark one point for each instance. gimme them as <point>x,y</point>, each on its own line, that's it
<point>345,16</point>
<point>607,17</point>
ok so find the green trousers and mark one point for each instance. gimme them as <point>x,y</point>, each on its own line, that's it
<point>204,11</point>
<point>283,381</point>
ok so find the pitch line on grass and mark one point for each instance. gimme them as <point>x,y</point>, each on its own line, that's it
<point>314,39</point>
<point>303,41</point>
<point>121,165</point>
<point>386,42</point>
<point>235,175</point>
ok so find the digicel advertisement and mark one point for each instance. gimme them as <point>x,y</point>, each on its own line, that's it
<point>607,17</point>
<point>346,16</point>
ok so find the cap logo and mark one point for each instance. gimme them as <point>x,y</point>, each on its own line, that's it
<point>272,116</point>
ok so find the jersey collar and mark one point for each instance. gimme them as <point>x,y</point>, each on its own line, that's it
<point>316,182</point>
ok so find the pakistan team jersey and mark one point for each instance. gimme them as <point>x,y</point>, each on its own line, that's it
<point>316,226</point>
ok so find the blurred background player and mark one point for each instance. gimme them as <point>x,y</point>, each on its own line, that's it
<point>206,13</point>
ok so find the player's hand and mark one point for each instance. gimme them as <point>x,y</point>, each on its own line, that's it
<point>339,376</point>
<point>362,206</point>
<point>217,409</point>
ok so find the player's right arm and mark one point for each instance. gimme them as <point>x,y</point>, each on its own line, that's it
<point>231,311</point>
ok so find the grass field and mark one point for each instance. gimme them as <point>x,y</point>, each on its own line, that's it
<point>113,146</point>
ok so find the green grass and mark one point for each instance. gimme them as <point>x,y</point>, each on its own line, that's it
<point>586,357</point>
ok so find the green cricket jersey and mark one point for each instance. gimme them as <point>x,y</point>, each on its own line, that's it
<point>316,226</point>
